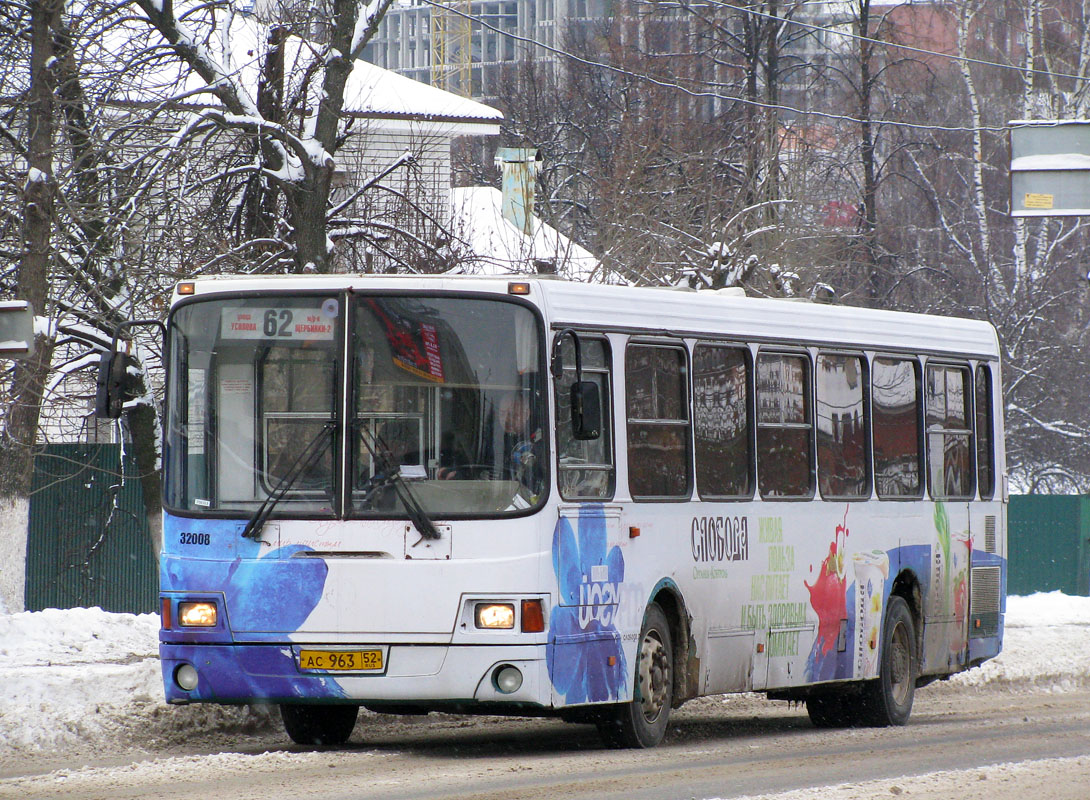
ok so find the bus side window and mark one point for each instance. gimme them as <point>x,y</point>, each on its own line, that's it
<point>657,399</point>
<point>985,454</point>
<point>841,427</point>
<point>949,430</point>
<point>585,466</point>
<point>784,426</point>
<point>895,426</point>
<point>722,423</point>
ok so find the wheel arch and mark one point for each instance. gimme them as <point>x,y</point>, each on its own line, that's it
<point>686,673</point>
<point>907,586</point>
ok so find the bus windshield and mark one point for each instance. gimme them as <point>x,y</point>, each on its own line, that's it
<point>341,406</point>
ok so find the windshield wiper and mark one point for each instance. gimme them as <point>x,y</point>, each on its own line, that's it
<point>392,477</point>
<point>306,459</point>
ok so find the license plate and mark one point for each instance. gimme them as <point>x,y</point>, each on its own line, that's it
<point>340,660</point>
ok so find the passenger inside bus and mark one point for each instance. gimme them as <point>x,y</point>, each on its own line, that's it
<point>523,445</point>
<point>520,443</point>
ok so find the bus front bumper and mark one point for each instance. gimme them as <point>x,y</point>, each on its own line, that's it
<point>271,673</point>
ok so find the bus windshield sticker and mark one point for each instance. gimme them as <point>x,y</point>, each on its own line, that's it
<point>414,344</point>
<point>282,324</point>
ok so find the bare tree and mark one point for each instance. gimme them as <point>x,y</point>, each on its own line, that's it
<point>119,179</point>
<point>1025,276</point>
<point>297,161</point>
<point>893,193</point>
<point>61,251</point>
<point>649,158</point>
<point>18,436</point>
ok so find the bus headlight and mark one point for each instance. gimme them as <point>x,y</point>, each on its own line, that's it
<point>495,615</point>
<point>200,614</point>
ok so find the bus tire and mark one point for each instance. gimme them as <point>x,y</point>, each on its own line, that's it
<point>318,724</point>
<point>642,721</point>
<point>888,700</point>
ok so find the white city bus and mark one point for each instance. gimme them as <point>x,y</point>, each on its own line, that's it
<point>537,497</point>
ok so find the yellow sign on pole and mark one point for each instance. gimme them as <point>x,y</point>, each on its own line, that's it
<point>1038,200</point>
<point>1050,168</point>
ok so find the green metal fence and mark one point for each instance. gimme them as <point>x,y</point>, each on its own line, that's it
<point>88,539</point>
<point>1048,544</point>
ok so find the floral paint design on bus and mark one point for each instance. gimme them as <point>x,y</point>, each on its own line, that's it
<point>267,596</point>
<point>871,571</point>
<point>949,579</point>
<point>272,592</point>
<point>849,603</point>
<point>585,658</point>
<point>829,597</point>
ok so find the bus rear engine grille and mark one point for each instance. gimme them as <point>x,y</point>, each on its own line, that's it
<point>984,602</point>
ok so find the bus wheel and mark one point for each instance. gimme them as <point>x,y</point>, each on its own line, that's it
<point>642,722</point>
<point>314,724</point>
<point>888,700</point>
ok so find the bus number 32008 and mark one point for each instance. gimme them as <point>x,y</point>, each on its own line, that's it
<point>185,537</point>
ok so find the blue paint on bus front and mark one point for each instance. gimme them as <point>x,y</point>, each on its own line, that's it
<point>264,594</point>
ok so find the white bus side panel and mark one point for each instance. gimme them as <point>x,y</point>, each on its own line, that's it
<point>777,595</point>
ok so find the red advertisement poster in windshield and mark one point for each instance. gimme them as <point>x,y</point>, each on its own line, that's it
<point>414,345</point>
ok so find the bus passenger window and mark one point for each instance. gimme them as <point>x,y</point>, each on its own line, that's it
<point>658,422</point>
<point>985,457</point>
<point>586,466</point>
<point>841,429</point>
<point>784,426</point>
<point>722,427</point>
<point>895,424</point>
<point>949,454</point>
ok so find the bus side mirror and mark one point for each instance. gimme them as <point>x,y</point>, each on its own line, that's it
<point>586,410</point>
<point>586,401</point>
<point>114,384</point>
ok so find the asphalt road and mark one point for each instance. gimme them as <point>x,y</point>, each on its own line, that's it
<point>715,748</point>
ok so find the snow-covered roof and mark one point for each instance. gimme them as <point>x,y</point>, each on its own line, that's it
<point>501,248</point>
<point>372,91</point>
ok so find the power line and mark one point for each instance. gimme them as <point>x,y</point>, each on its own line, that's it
<point>710,95</point>
<point>859,37</point>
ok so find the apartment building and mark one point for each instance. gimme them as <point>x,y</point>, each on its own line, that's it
<point>467,45</point>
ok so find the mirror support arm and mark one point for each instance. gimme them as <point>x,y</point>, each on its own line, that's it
<point>557,365</point>
<point>136,323</point>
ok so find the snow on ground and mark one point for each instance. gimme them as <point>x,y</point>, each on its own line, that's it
<point>84,676</point>
<point>1046,644</point>
<point>72,678</point>
<point>970,784</point>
